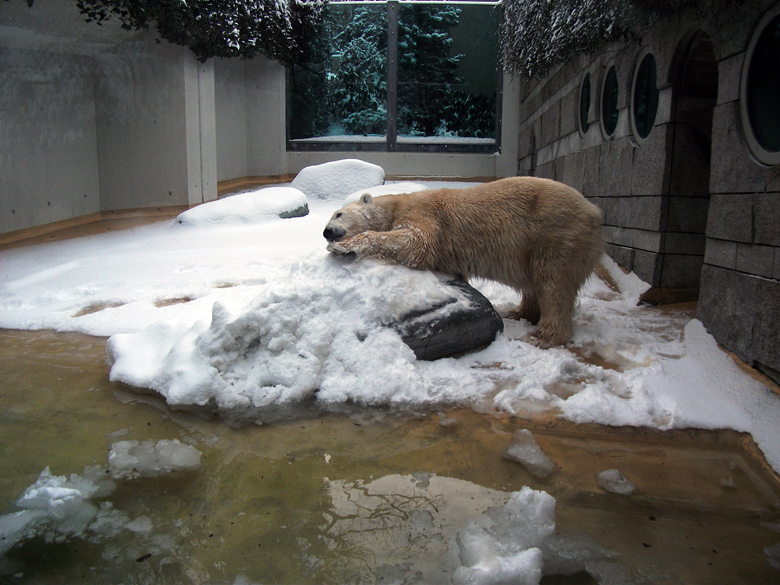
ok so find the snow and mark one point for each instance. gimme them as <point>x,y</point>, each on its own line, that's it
<point>250,207</point>
<point>335,180</point>
<point>256,319</point>
<point>387,189</point>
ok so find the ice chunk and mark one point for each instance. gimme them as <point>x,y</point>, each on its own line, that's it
<point>54,507</point>
<point>613,481</point>
<point>128,459</point>
<point>525,450</point>
<point>507,551</point>
<point>387,189</point>
<point>335,180</point>
<point>251,207</point>
<point>141,525</point>
<point>524,568</point>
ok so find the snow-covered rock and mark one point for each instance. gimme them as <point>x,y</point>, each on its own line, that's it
<point>386,189</point>
<point>335,180</point>
<point>250,207</point>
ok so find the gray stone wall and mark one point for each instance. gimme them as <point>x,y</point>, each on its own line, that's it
<point>688,208</point>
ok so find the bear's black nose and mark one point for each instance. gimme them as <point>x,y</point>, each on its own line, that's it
<point>333,234</point>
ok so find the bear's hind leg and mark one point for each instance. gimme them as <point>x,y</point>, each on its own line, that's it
<point>557,312</point>
<point>528,308</point>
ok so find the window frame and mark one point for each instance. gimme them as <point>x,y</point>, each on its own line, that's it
<point>759,153</point>
<point>602,122</point>
<point>586,76</point>
<point>637,136</point>
<point>391,142</point>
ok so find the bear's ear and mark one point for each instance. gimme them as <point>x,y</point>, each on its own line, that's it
<point>366,198</point>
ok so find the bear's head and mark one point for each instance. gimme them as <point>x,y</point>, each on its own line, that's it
<point>357,217</point>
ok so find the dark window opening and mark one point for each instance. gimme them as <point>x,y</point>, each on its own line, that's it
<point>609,102</point>
<point>645,102</point>
<point>763,88</point>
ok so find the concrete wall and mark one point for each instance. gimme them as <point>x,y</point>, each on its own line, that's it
<point>689,207</point>
<point>230,86</point>
<point>47,129</point>
<point>96,118</point>
<point>148,127</point>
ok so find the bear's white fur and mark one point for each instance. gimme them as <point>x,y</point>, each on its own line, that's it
<point>538,236</point>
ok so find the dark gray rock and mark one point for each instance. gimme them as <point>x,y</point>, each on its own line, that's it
<point>432,336</point>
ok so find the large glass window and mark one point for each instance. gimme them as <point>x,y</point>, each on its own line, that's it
<point>399,76</point>
<point>760,91</point>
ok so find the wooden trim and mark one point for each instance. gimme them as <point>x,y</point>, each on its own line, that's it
<point>229,186</point>
<point>75,226</point>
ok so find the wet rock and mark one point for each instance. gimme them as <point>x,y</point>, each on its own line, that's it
<point>437,332</point>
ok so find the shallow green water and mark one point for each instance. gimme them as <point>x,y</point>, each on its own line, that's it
<point>368,498</point>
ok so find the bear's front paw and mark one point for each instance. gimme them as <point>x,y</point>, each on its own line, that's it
<point>338,248</point>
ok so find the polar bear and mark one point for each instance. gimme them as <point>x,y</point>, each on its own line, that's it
<point>539,236</point>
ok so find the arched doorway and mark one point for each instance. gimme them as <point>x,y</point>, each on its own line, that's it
<point>695,86</point>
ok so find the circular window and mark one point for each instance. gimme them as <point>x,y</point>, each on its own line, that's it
<point>609,102</point>
<point>585,104</point>
<point>644,105</point>
<point>760,89</point>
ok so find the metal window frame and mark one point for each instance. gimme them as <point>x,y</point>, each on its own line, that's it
<point>391,142</point>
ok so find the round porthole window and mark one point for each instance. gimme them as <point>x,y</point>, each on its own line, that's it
<point>644,103</point>
<point>759,91</point>
<point>609,103</point>
<point>585,104</point>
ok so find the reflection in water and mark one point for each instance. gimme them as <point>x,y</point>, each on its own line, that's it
<point>402,526</point>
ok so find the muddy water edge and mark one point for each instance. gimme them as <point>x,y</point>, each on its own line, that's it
<point>326,499</point>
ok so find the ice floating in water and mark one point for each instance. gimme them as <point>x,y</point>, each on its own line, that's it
<point>130,459</point>
<point>507,551</point>
<point>525,450</point>
<point>613,481</point>
<point>251,207</point>
<point>461,532</point>
<point>335,180</point>
<point>57,507</point>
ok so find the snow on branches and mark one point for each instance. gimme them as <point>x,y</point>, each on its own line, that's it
<point>218,28</point>
<point>537,35</point>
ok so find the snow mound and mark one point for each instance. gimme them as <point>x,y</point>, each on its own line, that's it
<point>318,333</point>
<point>335,180</point>
<point>250,207</point>
<point>387,189</point>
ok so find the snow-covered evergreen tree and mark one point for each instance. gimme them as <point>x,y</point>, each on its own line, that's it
<point>537,35</point>
<point>278,29</point>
